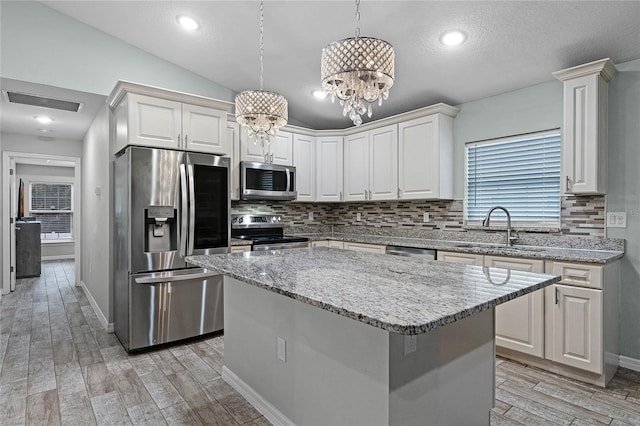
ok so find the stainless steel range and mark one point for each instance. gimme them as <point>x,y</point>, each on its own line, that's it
<point>265,231</point>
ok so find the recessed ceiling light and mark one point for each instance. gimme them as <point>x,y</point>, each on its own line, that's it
<point>188,23</point>
<point>453,38</point>
<point>45,130</point>
<point>43,119</point>
<point>319,94</point>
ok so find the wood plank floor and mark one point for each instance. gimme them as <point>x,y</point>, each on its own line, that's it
<point>59,367</point>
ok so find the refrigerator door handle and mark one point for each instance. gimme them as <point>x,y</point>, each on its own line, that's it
<point>192,209</point>
<point>184,208</point>
<point>171,279</point>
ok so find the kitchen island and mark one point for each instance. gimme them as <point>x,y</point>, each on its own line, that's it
<point>326,336</point>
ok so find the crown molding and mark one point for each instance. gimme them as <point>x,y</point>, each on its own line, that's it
<point>604,67</point>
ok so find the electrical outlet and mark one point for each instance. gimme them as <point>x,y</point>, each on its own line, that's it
<point>616,219</point>
<point>310,215</point>
<point>410,344</point>
<point>282,349</point>
<point>358,217</point>
<point>425,217</point>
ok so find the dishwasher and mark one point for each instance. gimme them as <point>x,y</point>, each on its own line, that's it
<point>427,254</point>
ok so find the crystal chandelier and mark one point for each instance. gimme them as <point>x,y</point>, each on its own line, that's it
<point>358,71</point>
<point>260,111</point>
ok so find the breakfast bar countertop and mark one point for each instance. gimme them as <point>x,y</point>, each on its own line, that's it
<point>398,294</point>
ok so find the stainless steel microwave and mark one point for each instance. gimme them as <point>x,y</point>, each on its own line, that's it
<point>263,181</point>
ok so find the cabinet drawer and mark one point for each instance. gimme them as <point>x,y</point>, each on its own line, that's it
<point>369,248</point>
<point>466,258</point>
<point>579,275</point>
<point>240,249</point>
<point>320,243</point>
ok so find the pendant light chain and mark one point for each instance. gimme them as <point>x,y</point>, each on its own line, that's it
<point>261,41</point>
<point>357,19</point>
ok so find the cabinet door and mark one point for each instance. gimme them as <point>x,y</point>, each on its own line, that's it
<point>281,149</point>
<point>205,130</point>
<point>233,136</point>
<point>418,158</point>
<point>304,160</point>
<point>251,149</point>
<point>368,248</point>
<point>154,122</point>
<point>356,167</point>
<point>520,322</point>
<point>577,317</point>
<point>584,135</point>
<point>383,163</point>
<point>466,258</point>
<point>329,168</point>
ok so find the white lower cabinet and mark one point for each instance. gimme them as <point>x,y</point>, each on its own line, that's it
<point>570,324</point>
<point>369,248</point>
<point>520,322</point>
<point>320,243</point>
<point>576,316</point>
<point>336,244</point>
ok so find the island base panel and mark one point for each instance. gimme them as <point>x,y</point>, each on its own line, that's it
<point>341,371</point>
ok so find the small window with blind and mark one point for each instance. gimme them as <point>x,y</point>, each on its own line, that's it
<point>520,173</point>
<point>52,205</point>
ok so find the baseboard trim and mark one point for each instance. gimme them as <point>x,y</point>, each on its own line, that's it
<point>270,412</point>
<point>630,363</point>
<point>58,257</point>
<point>96,308</point>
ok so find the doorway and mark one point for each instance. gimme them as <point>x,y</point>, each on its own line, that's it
<point>42,175</point>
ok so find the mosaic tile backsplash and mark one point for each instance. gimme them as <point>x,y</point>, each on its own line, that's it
<point>582,216</point>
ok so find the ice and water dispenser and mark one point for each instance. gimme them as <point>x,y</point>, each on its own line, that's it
<point>161,229</point>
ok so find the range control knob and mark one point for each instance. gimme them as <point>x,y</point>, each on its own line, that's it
<point>241,220</point>
<point>279,218</point>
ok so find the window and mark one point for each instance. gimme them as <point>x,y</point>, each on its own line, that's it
<point>52,205</point>
<point>519,173</point>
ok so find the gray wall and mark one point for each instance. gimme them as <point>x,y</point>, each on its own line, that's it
<point>623,195</point>
<point>96,212</point>
<point>32,172</point>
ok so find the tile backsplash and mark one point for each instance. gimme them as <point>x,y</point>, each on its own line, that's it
<point>582,216</point>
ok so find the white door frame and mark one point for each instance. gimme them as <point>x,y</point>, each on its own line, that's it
<point>7,156</point>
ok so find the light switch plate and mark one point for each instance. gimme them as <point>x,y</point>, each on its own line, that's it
<point>310,215</point>
<point>358,217</point>
<point>616,219</point>
<point>425,217</point>
<point>410,344</point>
<point>282,349</point>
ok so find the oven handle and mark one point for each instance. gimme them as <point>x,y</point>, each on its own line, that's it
<point>279,246</point>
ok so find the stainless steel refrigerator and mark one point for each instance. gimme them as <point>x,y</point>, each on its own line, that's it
<point>168,205</point>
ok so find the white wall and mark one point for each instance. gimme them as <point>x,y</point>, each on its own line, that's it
<point>96,213</point>
<point>43,173</point>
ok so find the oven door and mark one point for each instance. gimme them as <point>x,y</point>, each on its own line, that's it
<point>261,181</point>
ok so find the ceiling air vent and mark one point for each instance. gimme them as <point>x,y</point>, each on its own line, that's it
<point>26,99</point>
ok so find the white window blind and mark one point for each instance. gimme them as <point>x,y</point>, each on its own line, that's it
<point>520,173</point>
<point>52,205</point>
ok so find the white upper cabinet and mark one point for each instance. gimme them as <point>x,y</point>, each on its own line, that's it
<point>204,130</point>
<point>425,157</point>
<point>585,126</point>
<point>329,168</point>
<point>371,165</point>
<point>279,149</point>
<point>356,167</point>
<point>304,160</point>
<point>158,118</point>
<point>383,163</point>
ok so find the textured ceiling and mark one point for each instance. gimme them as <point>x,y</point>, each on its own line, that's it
<point>510,45</point>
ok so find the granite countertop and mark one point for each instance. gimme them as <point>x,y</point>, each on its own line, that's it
<point>533,252</point>
<point>398,294</point>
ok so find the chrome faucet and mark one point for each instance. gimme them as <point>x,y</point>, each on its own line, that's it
<point>487,222</point>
